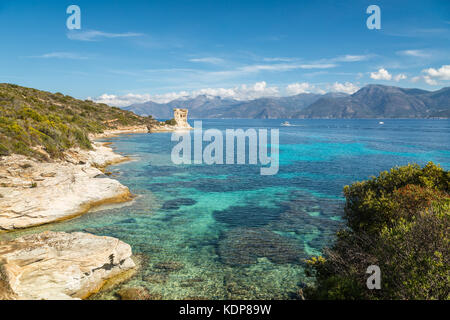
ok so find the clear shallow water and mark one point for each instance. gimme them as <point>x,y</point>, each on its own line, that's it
<point>226,232</point>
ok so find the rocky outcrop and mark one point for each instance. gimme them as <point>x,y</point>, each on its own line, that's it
<point>58,265</point>
<point>34,193</point>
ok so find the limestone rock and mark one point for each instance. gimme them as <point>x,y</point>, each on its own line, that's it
<point>59,265</point>
<point>36,193</point>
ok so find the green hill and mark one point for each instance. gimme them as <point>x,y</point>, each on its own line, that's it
<point>31,118</point>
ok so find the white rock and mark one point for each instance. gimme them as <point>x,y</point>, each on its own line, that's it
<point>58,265</point>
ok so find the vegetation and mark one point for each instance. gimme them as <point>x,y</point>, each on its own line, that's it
<point>31,118</point>
<point>399,221</point>
<point>171,122</point>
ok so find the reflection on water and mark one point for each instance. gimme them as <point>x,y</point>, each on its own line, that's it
<point>226,232</point>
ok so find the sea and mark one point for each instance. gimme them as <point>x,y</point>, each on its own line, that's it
<point>219,231</point>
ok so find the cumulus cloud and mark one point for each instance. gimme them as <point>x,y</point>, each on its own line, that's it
<point>400,76</point>
<point>346,87</point>
<point>443,73</point>
<point>242,92</point>
<point>381,74</point>
<point>430,81</point>
<point>297,88</point>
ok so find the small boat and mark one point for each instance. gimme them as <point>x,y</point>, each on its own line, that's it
<point>381,122</point>
<point>286,124</point>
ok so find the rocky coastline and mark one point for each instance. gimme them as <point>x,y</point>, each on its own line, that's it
<point>59,265</point>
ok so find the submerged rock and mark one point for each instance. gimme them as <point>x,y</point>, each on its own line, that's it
<point>137,293</point>
<point>250,216</point>
<point>59,265</point>
<point>177,203</point>
<point>241,246</point>
<point>169,266</point>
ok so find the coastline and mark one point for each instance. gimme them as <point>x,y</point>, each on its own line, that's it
<point>59,265</point>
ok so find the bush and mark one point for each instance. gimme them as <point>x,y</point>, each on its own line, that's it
<point>398,221</point>
<point>171,122</point>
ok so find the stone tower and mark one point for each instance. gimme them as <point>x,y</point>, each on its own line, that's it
<point>180,116</point>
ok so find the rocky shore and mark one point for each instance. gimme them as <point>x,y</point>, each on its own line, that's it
<point>35,193</point>
<point>58,265</point>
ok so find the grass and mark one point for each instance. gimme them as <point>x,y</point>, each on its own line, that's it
<point>31,118</point>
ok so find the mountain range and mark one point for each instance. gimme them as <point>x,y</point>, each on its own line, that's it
<point>371,101</point>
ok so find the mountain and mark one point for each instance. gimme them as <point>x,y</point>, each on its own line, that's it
<point>372,101</point>
<point>378,101</point>
<point>31,118</point>
<point>204,106</point>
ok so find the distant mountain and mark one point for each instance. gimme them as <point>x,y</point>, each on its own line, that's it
<point>378,101</point>
<point>372,101</point>
<point>204,106</point>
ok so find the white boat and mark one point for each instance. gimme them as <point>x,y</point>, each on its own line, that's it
<point>286,124</point>
<point>381,122</point>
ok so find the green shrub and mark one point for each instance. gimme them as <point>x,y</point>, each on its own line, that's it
<point>399,221</point>
<point>171,122</point>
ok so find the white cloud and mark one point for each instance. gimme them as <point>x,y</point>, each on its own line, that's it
<point>60,55</point>
<point>400,76</point>
<point>415,53</point>
<point>95,35</point>
<point>443,73</point>
<point>430,81</point>
<point>352,58</point>
<point>242,92</point>
<point>276,59</point>
<point>381,74</point>
<point>211,60</point>
<point>297,88</point>
<point>346,87</point>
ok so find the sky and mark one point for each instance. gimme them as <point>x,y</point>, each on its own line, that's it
<point>134,51</point>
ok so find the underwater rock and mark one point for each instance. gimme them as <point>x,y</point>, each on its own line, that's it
<point>249,216</point>
<point>137,293</point>
<point>241,246</point>
<point>169,266</point>
<point>155,278</point>
<point>131,220</point>
<point>177,203</point>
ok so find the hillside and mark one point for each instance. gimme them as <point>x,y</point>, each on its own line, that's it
<point>30,118</point>
<point>377,101</point>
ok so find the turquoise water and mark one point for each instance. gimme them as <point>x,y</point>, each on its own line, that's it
<point>225,231</point>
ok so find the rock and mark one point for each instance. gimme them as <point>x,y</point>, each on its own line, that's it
<point>169,266</point>
<point>175,204</point>
<point>156,278</point>
<point>59,265</point>
<point>48,174</point>
<point>71,192</point>
<point>241,246</point>
<point>137,293</point>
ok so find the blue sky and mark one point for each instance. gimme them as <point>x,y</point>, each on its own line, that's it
<point>132,51</point>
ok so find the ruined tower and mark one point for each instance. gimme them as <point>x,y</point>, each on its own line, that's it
<point>180,116</point>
